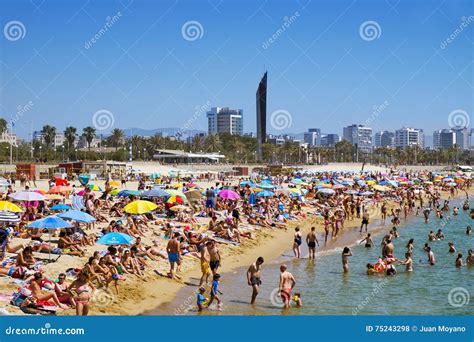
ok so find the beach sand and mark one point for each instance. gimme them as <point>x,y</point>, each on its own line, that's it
<point>137,296</point>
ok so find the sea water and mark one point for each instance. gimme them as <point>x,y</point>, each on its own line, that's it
<point>442,289</point>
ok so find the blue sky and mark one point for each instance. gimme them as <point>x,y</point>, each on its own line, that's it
<point>320,69</point>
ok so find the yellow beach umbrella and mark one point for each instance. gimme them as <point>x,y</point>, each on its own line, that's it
<point>114,183</point>
<point>140,207</point>
<point>9,206</point>
<point>379,188</point>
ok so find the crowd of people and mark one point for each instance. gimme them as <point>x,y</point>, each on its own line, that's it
<point>189,221</point>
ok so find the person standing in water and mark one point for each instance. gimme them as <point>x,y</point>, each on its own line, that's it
<point>346,253</point>
<point>368,241</point>
<point>254,278</point>
<point>297,243</point>
<point>431,257</point>
<point>312,240</point>
<point>286,285</point>
<point>408,262</point>
<point>365,220</point>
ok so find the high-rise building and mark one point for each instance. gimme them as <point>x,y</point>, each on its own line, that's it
<point>261,101</point>
<point>437,138</point>
<point>384,139</point>
<point>225,120</point>
<point>463,137</point>
<point>408,137</point>
<point>359,135</point>
<point>58,141</point>
<point>447,138</point>
<point>330,140</point>
<point>313,137</point>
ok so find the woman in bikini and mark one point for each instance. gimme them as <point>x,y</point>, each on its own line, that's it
<point>82,289</point>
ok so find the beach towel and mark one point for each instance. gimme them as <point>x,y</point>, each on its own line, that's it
<point>78,203</point>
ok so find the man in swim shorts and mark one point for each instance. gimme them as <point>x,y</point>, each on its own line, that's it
<point>312,240</point>
<point>214,257</point>
<point>205,267</point>
<point>173,250</point>
<point>287,283</point>
<point>254,278</point>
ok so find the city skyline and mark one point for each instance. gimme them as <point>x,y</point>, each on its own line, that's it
<point>325,65</point>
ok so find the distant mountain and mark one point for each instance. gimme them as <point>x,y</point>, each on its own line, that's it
<point>169,131</point>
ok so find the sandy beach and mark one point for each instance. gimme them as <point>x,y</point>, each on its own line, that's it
<point>142,296</point>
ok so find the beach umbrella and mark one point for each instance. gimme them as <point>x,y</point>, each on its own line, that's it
<point>140,207</point>
<point>53,197</point>
<point>114,183</point>
<point>177,199</point>
<point>50,222</point>
<point>266,186</point>
<point>193,195</point>
<point>77,215</point>
<point>6,216</point>
<point>326,191</point>
<point>40,191</point>
<point>178,186</point>
<point>338,186</point>
<point>115,239</point>
<point>155,192</point>
<point>27,196</point>
<point>179,207</point>
<point>60,189</point>
<point>95,187</point>
<point>297,181</point>
<point>247,182</point>
<point>172,192</point>
<point>60,206</point>
<point>84,179</point>
<point>9,206</point>
<point>228,194</point>
<point>4,182</point>
<point>125,193</point>
<point>379,188</point>
<point>265,193</point>
<point>367,193</point>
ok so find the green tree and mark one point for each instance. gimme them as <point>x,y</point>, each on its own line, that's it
<point>49,133</point>
<point>70,133</point>
<point>3,125</point>
<point>116,139</point>
<point>89,134</point>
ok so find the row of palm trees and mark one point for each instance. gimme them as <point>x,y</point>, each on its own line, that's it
<point>237,149</point>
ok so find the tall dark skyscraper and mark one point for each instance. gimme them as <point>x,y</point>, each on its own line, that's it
<point>261,114</point>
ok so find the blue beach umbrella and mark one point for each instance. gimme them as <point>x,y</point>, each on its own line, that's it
<point>326,191</point>
<point>244,183</point>
<point>115,239</point>
<point>155,192</point>
<point>265,193</point>
<point>78,216</point>
<point>60,206</point>
<point>50,222</point>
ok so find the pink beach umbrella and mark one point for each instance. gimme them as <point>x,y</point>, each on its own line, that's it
<point>228,194</point>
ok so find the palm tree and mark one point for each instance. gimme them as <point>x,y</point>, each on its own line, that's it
<point>70,133</point>
<point>117,138</point>
<point>213,143</point>
<point>3,125</point>
<point>49,133</point>
<point>89,134</point>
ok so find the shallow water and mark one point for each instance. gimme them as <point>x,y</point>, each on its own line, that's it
<point>325,290</point>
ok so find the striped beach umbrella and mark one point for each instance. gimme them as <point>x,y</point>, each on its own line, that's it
<point>6,216</point>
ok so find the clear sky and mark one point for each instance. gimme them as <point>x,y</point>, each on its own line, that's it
<point>324,69</point>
